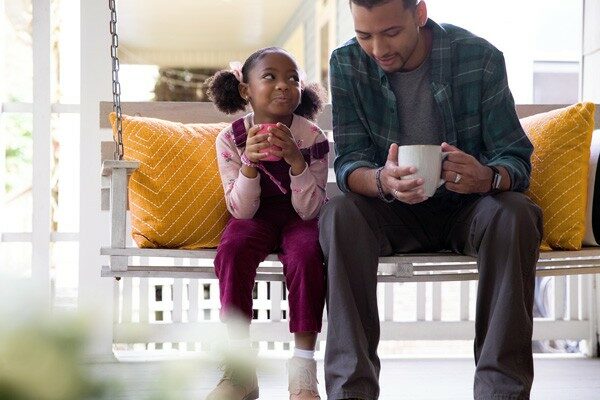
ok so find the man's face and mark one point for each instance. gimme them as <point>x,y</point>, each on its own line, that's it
<point>389,33</point>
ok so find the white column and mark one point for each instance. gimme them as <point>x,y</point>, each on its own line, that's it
<point>591,92</point>
<point>40,263</point>
<point>68,168</point>
<point>95,293</point>
<point>3,22</point>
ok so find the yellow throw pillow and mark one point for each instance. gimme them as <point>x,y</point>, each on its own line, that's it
<point>561,140</point>
<point>175,197</point>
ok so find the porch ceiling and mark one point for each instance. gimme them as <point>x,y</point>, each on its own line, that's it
<point>198,33</point>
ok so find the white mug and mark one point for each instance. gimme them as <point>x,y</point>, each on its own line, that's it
<point>427,159</point>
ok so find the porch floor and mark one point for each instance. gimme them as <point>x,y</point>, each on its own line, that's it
<point>556,378</point>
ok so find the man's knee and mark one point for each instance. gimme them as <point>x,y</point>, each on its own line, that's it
<point>514,211</point>
<point>339,216</point>
<point>340,209</point>
<point>340,203</point>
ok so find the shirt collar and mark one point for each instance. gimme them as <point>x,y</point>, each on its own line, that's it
<point>441,66</point>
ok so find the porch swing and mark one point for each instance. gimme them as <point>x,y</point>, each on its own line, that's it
<point>433,267</point>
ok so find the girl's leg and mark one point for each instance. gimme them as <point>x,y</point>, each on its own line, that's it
<point>305,340</point>
<point>305,278</point>
<point>304,272</point>
<point>244,244</point>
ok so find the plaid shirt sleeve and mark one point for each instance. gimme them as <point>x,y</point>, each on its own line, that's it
<point>504,141</point>
<point>353,145</point>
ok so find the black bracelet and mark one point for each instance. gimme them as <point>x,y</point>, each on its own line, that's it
<point>496,179</point>
<point>380,194</point>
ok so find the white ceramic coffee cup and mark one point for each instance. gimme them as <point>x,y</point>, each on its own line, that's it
<point>427,159</point>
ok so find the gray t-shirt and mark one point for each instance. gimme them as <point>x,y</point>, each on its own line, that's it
<point>420,118</point>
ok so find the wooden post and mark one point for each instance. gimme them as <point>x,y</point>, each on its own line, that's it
<point>118,217</point>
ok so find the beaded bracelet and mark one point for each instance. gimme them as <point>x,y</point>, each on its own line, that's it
<point>246,161</point>
<point>380,194</point>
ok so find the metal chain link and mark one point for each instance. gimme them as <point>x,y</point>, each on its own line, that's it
<point>116,86</point>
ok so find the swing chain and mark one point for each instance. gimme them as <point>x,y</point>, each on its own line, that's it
<point>116,86</point>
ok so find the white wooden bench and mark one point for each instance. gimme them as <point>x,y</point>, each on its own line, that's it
<point>431,267</point>
<point>401,267</point>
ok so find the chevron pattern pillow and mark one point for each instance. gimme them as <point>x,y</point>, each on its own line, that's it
<point>175,197</point>
<point>561,140</point>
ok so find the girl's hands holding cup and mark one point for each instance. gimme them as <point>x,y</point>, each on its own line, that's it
<point>281,136</point>
<point>255,143</point>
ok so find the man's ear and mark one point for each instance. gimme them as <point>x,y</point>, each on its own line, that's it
<point>243,89</point>
<point>421,11</point>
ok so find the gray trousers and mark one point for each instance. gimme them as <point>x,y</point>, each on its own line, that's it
<point>503,231</point>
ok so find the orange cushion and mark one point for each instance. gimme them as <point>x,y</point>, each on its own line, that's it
<point>561,140</point>
<point>175,197</point>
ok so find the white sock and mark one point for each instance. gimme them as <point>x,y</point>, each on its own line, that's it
<point>307,354</point>
<point>240,344</point>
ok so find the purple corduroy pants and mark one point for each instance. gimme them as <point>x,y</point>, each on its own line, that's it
<point>276,227</point>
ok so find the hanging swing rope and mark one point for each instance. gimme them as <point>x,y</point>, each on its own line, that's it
<point>116,86</point>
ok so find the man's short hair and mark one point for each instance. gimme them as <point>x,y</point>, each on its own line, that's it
<point>368,4</point>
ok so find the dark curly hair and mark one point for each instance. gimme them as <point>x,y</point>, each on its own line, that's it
<point>372,3</point>
<point>223,88</point>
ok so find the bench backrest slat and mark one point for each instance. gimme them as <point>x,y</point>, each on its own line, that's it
<point>187,112</point>
<point>190,112</point>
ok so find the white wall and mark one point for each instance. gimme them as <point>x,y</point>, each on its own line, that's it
<point>305,17</point>
<point>508,30</point>
<point>344,26</point>
<point>591,52</point>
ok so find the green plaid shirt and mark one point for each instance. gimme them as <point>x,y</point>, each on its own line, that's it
<point>469,84</point>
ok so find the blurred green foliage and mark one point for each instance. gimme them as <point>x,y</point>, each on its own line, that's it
<point>18,137</point>
<point>44,360</point>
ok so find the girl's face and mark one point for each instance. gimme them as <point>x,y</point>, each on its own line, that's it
<point>273,88</point>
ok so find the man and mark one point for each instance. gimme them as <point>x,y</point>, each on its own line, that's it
<point>406,80</point>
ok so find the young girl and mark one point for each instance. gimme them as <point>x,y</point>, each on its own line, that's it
<point>274,206</point>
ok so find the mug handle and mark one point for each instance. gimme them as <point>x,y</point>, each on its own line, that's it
<point>442,158</point>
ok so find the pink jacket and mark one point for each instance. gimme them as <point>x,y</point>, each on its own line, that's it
<point>242,194</point>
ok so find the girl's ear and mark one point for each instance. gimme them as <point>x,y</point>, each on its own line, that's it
<point>243,88</point>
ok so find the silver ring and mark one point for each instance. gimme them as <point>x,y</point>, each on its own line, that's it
<point>458,178</point>
<point>395,193</point>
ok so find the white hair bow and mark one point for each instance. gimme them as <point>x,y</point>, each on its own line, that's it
<point>236,69</point>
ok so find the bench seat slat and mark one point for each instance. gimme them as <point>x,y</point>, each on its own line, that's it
<point>587,253</point>
<point>192,273</point>
<point>430,267</point>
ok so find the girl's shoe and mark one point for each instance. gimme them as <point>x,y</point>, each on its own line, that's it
<point>238,383</point>
<point>302,378</point>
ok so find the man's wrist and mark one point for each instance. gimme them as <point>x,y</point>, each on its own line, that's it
<point>388,198</point>
<point>496,180</point>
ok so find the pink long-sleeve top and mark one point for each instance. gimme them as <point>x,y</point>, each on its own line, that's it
<point>243,194</point>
